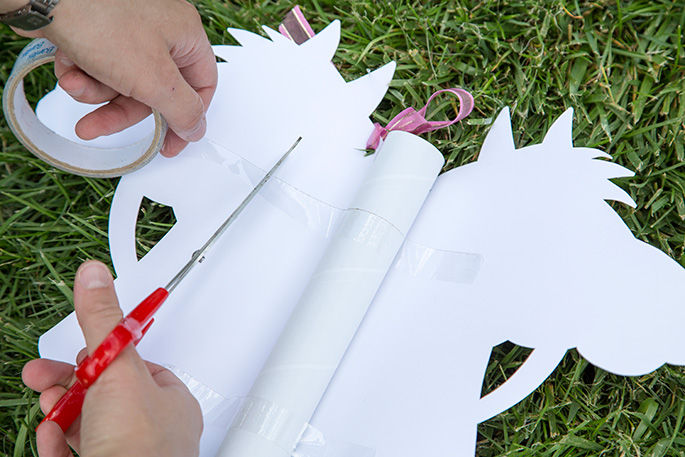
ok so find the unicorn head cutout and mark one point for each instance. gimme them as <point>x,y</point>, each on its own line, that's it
<point>560,270</point>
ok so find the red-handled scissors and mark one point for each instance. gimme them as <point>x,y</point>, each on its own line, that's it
<point>134,326</point>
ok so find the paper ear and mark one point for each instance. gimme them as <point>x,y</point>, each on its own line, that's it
<point>500,139</point>
<point>276,36</point>
<point>370,89</point>
<point>562,129</point>
<point>325,43</point>
<point>246,38</point>
<point>225,52</point>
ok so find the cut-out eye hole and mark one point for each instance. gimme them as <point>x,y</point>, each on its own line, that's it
<point>154,221</point>
<point>220,59</point>
<point>505,359</point>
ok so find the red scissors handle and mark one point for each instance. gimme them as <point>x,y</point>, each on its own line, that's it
<point>68,408</point>
<point>128,330</point>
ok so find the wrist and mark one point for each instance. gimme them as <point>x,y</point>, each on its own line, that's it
<point>11,5</point>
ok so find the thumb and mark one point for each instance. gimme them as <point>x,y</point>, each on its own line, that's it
<point>95,302</point>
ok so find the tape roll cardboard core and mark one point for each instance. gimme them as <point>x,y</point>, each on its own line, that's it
<point>56,150</point>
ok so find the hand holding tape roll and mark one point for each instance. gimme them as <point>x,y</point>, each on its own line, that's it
<point>58,151</point>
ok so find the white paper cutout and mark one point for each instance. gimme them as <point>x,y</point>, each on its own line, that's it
<point>560,270</point>
<point>555,267</point>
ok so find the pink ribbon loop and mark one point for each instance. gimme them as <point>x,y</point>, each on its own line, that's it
<point>413,121</point>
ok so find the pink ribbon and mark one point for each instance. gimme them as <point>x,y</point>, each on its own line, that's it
<point>413,121</point>
<point>296,27</point>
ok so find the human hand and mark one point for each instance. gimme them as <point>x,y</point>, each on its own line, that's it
<point>134,408</point>
<point>135,55</point>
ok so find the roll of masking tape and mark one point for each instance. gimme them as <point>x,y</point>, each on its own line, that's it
<point>58,151</point>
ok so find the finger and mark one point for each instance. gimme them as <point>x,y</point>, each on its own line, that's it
<point>163,376</point>
<point>73,435</point>
<point>82,354</point>
<point>63,64</point>
<point>95,302</point>
<point>41,374</point>
<point>78,84</point>
<point>200,72</point>
<point>49,398</point>
<point>176,100</point>
<point>173,144</point>
<point>83,88</point>
<point>188,83</point>
<point>98,312</point>
<point>119,114</point>
<point>51,441</point>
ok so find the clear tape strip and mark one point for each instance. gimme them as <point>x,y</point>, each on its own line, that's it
<point>267,420</point>
<point>270,422</point>
<point>424,262</point>
<point>316,215</point>
<point>369,230</point>
<point>303,208</point>
<point>414,259</point>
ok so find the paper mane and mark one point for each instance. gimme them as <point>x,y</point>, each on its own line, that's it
<point>520,245</point>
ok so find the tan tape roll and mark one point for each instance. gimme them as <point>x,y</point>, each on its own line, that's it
<point>57,150</point>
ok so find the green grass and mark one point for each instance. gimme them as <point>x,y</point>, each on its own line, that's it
<point>620,65</point>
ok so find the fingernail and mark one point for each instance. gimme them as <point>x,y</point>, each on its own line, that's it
<point>75,92</point>
<point>94,275</point>
<point>66,61</point>
<point>70,85</point>
<point>166,149</point>
<point>198,132</point>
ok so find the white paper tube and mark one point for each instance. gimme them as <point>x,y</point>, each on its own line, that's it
<point>322,325</point>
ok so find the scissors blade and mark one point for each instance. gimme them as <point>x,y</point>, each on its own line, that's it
<point>199,255</point>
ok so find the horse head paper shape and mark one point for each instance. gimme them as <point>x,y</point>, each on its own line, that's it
<point>520,245</point>
<point>560,270</point>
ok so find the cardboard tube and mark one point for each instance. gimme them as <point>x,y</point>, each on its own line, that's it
<point>322,325</point>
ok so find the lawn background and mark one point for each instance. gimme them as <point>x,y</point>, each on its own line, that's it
<point>620,65</point>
